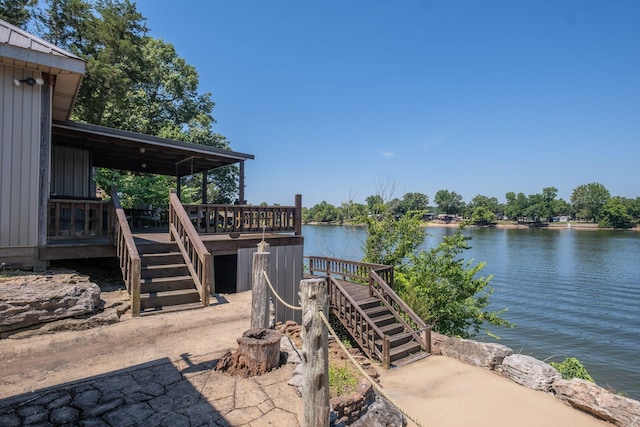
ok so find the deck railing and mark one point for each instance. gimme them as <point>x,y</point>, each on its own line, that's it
<point>219,219</point>
<point>127,252</point>
<point>412,323</point>
<point>79,218</point>
<point>353,318</point>
<point>354,271</point>
<point>197,257</point>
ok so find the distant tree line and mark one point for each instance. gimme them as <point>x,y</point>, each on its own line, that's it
<point>589,202</point>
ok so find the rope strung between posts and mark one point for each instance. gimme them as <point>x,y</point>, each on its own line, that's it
<point>286,304</point>
<point>374,384</point>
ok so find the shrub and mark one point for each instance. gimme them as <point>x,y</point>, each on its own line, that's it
<point>572,368</point>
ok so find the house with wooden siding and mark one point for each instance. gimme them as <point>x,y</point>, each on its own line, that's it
<point>49,209</point>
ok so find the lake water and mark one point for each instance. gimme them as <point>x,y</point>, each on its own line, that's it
<point>571,293</point>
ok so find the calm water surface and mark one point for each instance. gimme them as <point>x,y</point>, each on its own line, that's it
<point>571,293</point>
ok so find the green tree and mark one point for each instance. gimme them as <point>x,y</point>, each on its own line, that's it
<point>633,207</point>
<point>537,209</point>
<point>17,12</point>
<point>588,200</point>
<point>516,206</point>
<point>449,202</point>
<point>323,212</point>
<point>479,201</point>
<point>351,211</point>
<point>375,204</point>
<point>445,290</point>
<point>483,216</point>
<point>562,207</point>
<point>614,214</point>
<point>413,202</point>
<point>137,83</point>
<point>390,239</point>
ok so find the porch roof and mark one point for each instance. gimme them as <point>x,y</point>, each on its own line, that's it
<point>130,151</point>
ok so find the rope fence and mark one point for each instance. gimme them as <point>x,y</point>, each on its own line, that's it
<point>286,304</point>
<point>355,363</point>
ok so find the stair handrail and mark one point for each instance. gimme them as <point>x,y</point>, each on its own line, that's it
<point>348,269</point>
<point>401,310</point>
<point>366,342</point>
<point>198,259</point>
<point>128,256</point>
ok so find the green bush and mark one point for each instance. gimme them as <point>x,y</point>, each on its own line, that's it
<point>572,368</point>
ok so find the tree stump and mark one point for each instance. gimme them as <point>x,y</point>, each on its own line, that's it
<point>258,352</point>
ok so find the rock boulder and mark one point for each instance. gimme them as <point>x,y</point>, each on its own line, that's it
<point>529,372</point>
<point>602,403</point>
<point>29,300</point>
<point>486,355</point>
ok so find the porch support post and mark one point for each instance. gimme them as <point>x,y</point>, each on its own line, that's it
<point>204,187</point>
<point>44,168</point>
<point>298,215</point>
<point>241,199</point>
<point>179,186</point>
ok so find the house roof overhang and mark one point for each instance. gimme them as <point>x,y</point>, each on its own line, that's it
<point>130,151</point>
<point>19,49</point>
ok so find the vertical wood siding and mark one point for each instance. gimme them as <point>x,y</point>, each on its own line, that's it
<point>285,276</point>
<point>71,172</point>
<point>19,159</point>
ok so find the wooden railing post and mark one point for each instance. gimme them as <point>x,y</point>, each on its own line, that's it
<point>315,357</point>
<point>260,288</point>
<point>127,253</point>
<point>135,287</point>
<point>386,352</point>
<point>298,215</point>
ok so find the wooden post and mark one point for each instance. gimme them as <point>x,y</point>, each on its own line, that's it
<point>315,357</point>
<point>44,169</point>
<point>241,200</point>
<point>260,288</point>
<point>298,215</point>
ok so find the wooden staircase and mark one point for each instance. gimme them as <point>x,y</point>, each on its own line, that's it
<point>165,282</point>
<point>163,277</point>
<point>361,296</point>
<point>404,347</point>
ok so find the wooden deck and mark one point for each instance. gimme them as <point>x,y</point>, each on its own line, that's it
<point>218,244</point>
<point>359,293</point>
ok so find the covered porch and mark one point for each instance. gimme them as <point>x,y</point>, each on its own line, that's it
<point>172,256</point>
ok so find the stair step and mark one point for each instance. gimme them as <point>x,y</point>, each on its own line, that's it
<point>159,300</point>
<point>404,350</point>
<point>157,248</point>
<point>414,357</point>
<point>171,308</point>
<point>374,312</point>
<point>369,303</point>
<point>164,284</point>
<point>161,258</point>
<point>392,328</point>
<point>384,320</point>
<point>396,341</point>
<point>168,270</point>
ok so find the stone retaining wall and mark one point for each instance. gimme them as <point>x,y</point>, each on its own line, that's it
<point>537,375</point>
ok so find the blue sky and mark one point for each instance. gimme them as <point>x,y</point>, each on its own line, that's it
<point>344,99</point>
